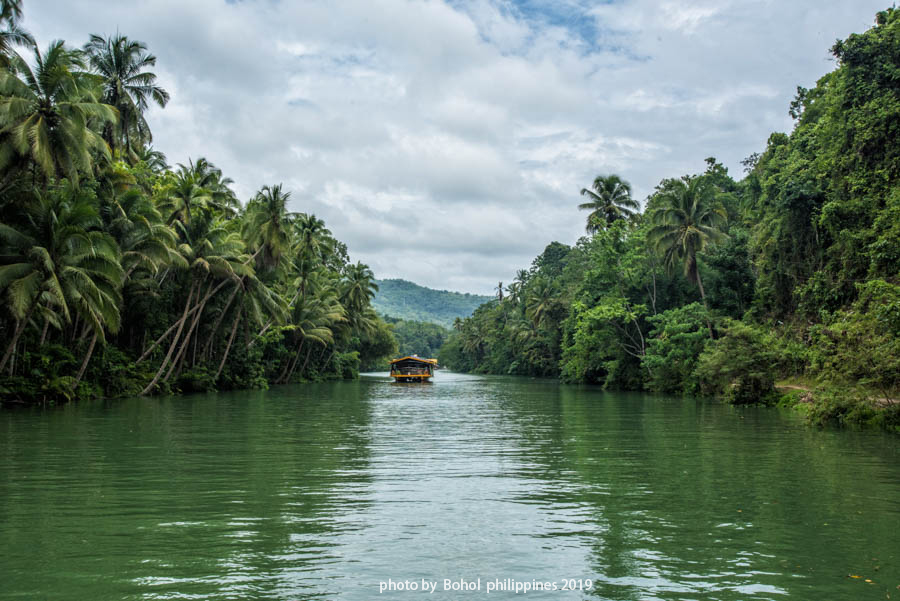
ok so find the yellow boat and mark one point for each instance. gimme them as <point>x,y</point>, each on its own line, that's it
<point>412,369</point>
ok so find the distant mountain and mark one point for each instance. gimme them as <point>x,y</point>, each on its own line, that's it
<point>405,300</point>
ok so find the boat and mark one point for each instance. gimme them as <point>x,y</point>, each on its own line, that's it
<point>412,369</point>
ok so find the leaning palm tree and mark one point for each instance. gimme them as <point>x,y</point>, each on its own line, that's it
<point>47,113</point>
<point>610,201</point>
<point>687,220</point>
<point>127,85</point>
<point>216,258</point>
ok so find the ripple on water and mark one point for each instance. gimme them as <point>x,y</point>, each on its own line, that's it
<point>324,490</point>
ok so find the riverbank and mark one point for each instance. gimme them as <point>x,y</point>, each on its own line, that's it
<point>841,406</point>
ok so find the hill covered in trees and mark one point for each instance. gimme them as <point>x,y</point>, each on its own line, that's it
<point>722,285</point>
<point>408,301</point>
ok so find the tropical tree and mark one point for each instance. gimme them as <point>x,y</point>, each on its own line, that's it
<point>540,300</point>
<point>610,200</point>
<point>154,159</point>
<point>56,258</point>
<point>216,257</point>
<point>128,86</point>
<point>133,219</point>
<point>359,287</point>
<point>47,113</point>
<point>267,225</point>
<point>686,221</point>
<point>10,32</point>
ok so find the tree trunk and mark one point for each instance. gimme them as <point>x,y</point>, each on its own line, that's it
<point>174,325</point>
<point>289,366</point>
<point>328,360</point>
<point>162,367</point>
<point>182,350</point>
<point>87,358</point>
<point>294,366</point>
<point>234,327</point>
<point>703,298</point>
<point>44,332</point>
<point>305,361</point>
<point>207,347</point>
<point>20,327</point>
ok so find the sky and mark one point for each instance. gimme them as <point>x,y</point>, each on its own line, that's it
<point>446,142</point>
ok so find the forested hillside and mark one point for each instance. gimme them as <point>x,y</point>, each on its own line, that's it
<point>724,286</point>
<point>120,274</point>
<point>417,337</point>
<point>408,301</point>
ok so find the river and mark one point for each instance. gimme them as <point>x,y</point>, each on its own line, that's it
<point>328,491</point>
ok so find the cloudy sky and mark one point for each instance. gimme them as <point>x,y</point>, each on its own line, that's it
<point>463,131</point>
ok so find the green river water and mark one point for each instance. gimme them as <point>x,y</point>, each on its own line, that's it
<point>326,491</point>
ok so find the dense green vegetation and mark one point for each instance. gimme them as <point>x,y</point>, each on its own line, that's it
<point>120,275</point>
<point>404,300</point>
<point>723,286</point>
<point>417,337</point>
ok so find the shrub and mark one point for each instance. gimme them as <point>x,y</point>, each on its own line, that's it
<point>676,341</point>
<point>740,366</point>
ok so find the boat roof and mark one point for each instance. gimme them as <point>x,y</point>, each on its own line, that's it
<point>419,359</point>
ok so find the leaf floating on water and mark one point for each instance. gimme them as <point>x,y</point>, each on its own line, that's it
<point>854,576</point>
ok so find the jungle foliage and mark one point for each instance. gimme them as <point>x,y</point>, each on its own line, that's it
<point>721,286</point>
<point>121,275</point>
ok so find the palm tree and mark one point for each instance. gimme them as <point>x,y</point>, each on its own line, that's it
<point>47,113</point>
<point>610,201</point>
<point>267,225</point>
<point>216,257</point>
<point>687,220</point>
<point>11,34</point>
<point>257,303</point>
<point>154,159</point>
<point>128,86</point>
<point>143,237</point>
<point>540,300</point>
<point>211,178</point>
<point>313,320</point>
<point>56,258</point>
<point>359,288</point>
<point>311,244</point>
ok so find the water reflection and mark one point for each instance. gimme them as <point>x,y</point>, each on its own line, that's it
<point>323,491</point>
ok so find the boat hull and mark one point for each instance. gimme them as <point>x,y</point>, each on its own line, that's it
<point>411,377</point>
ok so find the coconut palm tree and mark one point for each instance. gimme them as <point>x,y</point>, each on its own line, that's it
<point>137,225</point>
<point>216,257</point>
<point>154,159</point>
<point>687,220</point>
<point>610,200</point>
<point>540,300</point>
<point>56,257</point>
<point>267,225</point>
<point>10,32</point>
<point>128,86</point>
<point>47,113</point>
<point>314,320</point>
<point>359,288</point>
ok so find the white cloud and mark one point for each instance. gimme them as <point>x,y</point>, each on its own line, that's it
<point>476,121</point>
